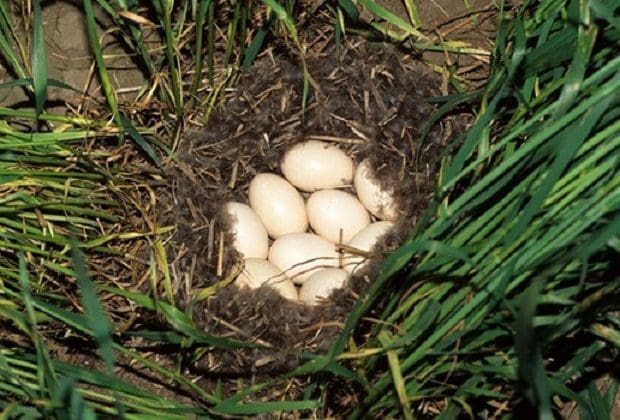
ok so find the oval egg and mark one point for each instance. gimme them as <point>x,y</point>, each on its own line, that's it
<point>378,201</point>
<point>330,211</point>
<point>364,240</point>
<point>258,272</point>
<point>299,255</point>
<point>321,284</point>
<point>315,165</point>
<point>251,238</point>
<point>278,204</point>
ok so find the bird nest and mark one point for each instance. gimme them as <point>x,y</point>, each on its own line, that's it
<point>368,99</point>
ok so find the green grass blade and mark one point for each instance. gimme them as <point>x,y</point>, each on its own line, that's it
<point>106,84</point>
<point>45,372</point>
<point>129,128</point>
<point>289,23</point>
<point>8,54</point>
<point>71,404</point>
<point>200,21</point>
<point>397,379</point>
<point>38,59</point>
<point>568,142</point>
<point>211,43</point>
<point>178,319</point>
<point>612,393</point>
<point>391,18</point>
<point>247,409</point>
<point>171,46</point>
<point>349,8</point>
<point>255,46</point>
<point>595,407</point>
<point>94,314</point>
<point>529,353</point>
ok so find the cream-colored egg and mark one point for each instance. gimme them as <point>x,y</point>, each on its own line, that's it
<point>278,204</point>
<point>330,211</point>
<point>377,200</point>
<point>321,284</point>
<point>259,272</point>
<point>300,255</point>
<point>251,238</point>
<point>364,240</point>
<point>315,165</point>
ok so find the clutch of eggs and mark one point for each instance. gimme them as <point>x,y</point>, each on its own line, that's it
<point>279,211</point>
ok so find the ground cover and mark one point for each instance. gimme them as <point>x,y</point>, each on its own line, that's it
<point>501,300</point>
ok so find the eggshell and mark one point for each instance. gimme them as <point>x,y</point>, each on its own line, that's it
<point>364,240</point>
<point>251,238</point>
<point>315,165</point>
<point>377,200</point>
<point>258,272</point>
<point>278,204</point>
<point>329,211</point>
<point>321,284</point>
<point>299,255</point>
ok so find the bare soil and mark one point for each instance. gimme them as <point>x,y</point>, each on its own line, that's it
<point>70,60</point>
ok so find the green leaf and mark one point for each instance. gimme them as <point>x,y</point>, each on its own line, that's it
<point>179,320</point>
<point>265,407</point>
<point>38,59</point>
<point>140,141</point>
<point>95,316</point>
<point>391,18</point>
<point>255,46</point>
<point>595,407</point>
<point>106,84</point>
<point>531,366</point>
<point>349,8</point>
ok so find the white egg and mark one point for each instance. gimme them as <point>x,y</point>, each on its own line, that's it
<point>278,204</point>
<point>251,238</point>
<point>321,284</point>
<point>258,272</point>
<point>330,211</point>
<point>377,200</point>
<point>364,240</point>
<point>315,165</point>
<point>299,255</point>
